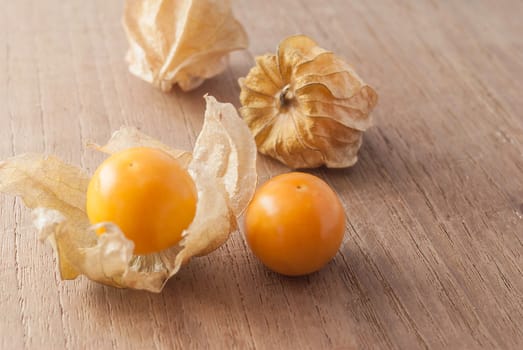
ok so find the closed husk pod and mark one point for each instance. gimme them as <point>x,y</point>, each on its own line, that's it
<point>180,42</point>
<point>305,106</point>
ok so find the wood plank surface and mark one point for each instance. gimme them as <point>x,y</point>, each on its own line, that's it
<point>433,256</point>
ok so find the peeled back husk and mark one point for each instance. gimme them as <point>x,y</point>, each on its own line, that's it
<point>305,106</point>
<point>222,166</point>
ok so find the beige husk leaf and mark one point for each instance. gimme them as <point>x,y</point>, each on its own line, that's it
<point>305,106</point>
<point>180,42</point>
<point>222,165</point>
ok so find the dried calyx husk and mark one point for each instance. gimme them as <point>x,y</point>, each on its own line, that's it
<point>222,165</point>
<point>180,42</point>
<point>305,106</point>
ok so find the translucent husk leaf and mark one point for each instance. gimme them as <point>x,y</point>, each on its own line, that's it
<point>180,42</point>
<point>305,106</point>
<point>129,137</point>
<point>222,165</point>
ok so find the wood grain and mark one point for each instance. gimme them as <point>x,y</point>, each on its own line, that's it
<point>434,251</point>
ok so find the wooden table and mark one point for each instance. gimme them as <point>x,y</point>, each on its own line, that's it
<point>434,250</point>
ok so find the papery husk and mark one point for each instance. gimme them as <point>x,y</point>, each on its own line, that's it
<point>222,165</point>
<point>180,42</point>
<point>305,106</point>
<point>130,137</point>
